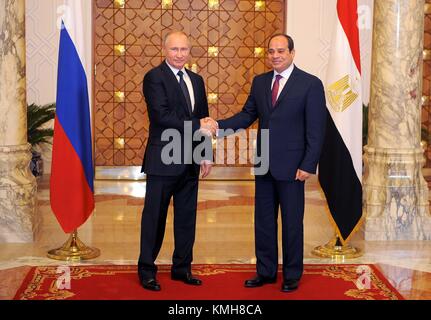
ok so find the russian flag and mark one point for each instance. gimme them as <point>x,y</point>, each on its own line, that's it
<point>340,165</point>
<point>71,184</point>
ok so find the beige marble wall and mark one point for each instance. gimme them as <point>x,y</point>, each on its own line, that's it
<point>395,192</point>
<point>18,220</point>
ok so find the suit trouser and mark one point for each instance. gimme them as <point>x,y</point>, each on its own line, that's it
<point>269,195</point>
<point>160,190</point>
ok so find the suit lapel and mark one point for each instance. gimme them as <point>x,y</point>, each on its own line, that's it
<point>173,81</point>
<point>268,93</point>
<point>286,87</point>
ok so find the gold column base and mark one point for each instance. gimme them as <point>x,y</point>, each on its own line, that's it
<point>73,250</point>
<point>335,250</point>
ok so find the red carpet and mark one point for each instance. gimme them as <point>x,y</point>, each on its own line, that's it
<point>220,282</point>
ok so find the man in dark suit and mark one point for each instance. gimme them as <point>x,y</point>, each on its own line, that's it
<point>290,104</point>
<point>176,100</point>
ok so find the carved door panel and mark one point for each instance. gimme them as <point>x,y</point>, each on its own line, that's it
<point>228,49</point>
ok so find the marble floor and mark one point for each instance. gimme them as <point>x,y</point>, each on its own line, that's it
<point>224,235</point>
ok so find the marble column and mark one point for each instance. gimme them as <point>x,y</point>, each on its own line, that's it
<point>395,192</point>
<point>18,221</point>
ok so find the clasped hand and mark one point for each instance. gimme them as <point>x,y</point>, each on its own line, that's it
<point>209,126</point>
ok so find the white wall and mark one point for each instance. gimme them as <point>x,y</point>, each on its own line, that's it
<point>42,39</point>
<point>311,22</point>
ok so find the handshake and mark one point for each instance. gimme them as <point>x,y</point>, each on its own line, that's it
<point>208,127</point>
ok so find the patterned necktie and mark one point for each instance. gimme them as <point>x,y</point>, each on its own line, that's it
<point>185,92</point>
<point>275,87</point>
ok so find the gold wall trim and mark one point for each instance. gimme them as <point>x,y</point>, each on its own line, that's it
<point>167,4</point>
<point>259,5</point>
<point>119,4</point>
<point>134,173</point>
<point>119,50</point>
<point>119,96</point>
<point>213,4</point>
<point>212,52</point>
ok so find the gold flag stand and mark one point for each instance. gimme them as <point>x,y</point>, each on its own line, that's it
<point>335,250</point>
<point>74,250</point>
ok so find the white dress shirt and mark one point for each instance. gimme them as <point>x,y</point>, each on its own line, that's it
<point>187,80</point>
<point>282,82</point>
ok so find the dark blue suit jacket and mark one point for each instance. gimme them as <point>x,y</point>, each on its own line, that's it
<point>296,123</point>
<point>167,109</point>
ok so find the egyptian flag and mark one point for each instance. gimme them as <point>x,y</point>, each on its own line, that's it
<point>340,166</point>
<point>71,185</point>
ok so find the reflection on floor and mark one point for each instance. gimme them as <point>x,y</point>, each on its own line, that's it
<point>224,235</point>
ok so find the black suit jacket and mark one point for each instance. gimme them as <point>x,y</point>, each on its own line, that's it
<point>167,109</point>
<point>296,123</point>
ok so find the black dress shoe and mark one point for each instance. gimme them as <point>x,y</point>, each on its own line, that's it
<point>150,284</point>
<point>289,285</point>
<point>186,278</point>
<point>258,282</point>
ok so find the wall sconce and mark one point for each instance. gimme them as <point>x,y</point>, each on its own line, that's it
<point>119,96</point>
<point>119,143</point>
<point>120,50</point>
<point>259,6</point>
<point>425,100</point>
<point>119,4</point>
<point>212,51</point>
<point>427,8</point>
<point>193,67</point>
<point>259,52</point>
<point>213,4</point>
<point>212,98</point>
<point>426,54</point>
<point>166,4</point>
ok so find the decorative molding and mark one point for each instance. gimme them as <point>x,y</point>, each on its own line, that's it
<point>167,4</point>
<point>212,98</point>
<point>119,4</point>
<point>212,52</point>
<point>120,50</point>
<point>119,143</point>
<point>134,173</point>
<point>119,96</point>
<point>213,4</point>
<point>259,5</point>
<point>259,52</point>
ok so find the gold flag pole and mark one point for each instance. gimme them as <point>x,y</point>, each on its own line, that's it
<point>74,250</point>
<point>336,250</point>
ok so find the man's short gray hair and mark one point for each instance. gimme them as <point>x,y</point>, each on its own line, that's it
<point>172,32</point>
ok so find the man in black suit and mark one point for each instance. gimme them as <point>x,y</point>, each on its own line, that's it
<point>177,104</point>
<point>290,104</point>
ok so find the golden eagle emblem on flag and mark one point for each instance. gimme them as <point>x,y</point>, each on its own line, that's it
<point>341,94</point>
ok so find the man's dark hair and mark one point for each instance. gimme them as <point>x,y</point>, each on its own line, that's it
<point>289,39</point>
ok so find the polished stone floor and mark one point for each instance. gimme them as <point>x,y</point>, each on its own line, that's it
<point>224,235</point>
